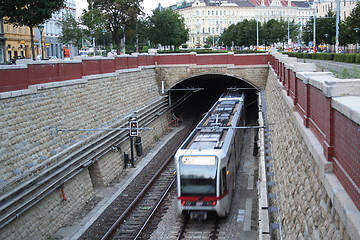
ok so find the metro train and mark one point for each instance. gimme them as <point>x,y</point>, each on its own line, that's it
<point>207,161</point>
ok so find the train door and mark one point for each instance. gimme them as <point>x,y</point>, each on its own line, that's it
<point>224,190</point>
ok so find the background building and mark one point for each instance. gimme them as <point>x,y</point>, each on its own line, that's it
<point>52,30</point>
<point>345,7</point>
<point>206,18</point>
<point>16,41</point>
<point>2,43</point>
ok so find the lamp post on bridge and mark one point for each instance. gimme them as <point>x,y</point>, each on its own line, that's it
<point>41,28</point>
<point>326,36</point>
<point>357,38</point>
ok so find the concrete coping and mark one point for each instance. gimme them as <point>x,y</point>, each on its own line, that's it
<point>281,56</point>
<point>98,58</point>
<point>12,67</point>
<point>301,67</point>
<point>217,54</point>
<point>349,106</point>
<point>330,85</point>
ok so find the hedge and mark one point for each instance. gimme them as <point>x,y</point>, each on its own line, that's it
<point>338,57</point>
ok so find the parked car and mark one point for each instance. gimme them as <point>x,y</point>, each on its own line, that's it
<point>13,60</point>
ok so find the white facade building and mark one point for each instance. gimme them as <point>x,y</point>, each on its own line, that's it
<point>52,30</point>
<point>206,18</point>
<point>345,7</point>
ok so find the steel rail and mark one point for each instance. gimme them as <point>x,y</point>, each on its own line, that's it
<point>132,204</point>
<point>147,220</point>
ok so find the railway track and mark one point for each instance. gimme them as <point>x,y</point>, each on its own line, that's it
<point>208,229</point>
<point>135,213</point>
<point>132,222</point>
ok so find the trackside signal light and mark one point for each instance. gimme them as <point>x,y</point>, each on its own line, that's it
<point>133,128</point>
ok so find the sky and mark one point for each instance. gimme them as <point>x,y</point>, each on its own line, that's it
<point>148,5</point>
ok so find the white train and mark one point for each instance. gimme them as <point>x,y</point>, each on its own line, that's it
<point>206,163</point>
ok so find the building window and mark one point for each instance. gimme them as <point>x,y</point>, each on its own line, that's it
<point>2,55</point>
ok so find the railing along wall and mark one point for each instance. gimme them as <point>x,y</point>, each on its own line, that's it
<point>327,106</point>
<point>20,77</point>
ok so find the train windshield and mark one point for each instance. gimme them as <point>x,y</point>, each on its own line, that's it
<point>198,175</point>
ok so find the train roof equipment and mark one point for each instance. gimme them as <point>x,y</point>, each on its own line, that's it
<point>215,130</point>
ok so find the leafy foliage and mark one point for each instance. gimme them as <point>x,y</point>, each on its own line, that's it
<point>29,13</point>
<point>70,31</point>
<point>244,33</point>
<point>167,28</point>
<point>120,15</point>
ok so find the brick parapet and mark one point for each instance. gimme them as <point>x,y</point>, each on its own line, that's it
<point>30,72</point>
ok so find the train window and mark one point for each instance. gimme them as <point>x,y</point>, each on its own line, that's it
<point>198,180</point>
<point>223,183</point>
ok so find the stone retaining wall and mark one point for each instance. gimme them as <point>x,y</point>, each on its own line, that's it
<point>29,141</point>
<point>172,75</point>
<point>51,213</point>
<point>306,209</point>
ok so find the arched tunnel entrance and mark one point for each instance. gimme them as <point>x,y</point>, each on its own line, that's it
<point>191,98</point>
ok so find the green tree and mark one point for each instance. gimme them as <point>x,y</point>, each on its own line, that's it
<point>351,24</point>
<point>229,36</point>
<point>325,29</point>
<point>70,31</point>
<point>167,27</point>
<point>120,15</point>
<point>142,33</point>
<point>96,25</point>
<point>29,13</point>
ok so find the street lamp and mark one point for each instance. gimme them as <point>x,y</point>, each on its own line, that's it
<point>357,40</point>
<point>326,36</point>
<point>41,28</point>
<point>104,32</point>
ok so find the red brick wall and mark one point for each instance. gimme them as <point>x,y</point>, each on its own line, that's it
<point>347,153</point>
<point>302,100</point>
<point>16,79</point>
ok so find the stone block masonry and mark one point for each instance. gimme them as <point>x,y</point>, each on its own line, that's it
<point>30,141</point>
<point>312,116</point>
<point>306,209</point>
<point>52,212</point>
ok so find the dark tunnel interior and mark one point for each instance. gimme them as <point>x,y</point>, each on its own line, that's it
<point>206,91</point>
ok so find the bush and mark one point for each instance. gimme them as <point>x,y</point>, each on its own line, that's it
<point>357,59</point>
<point>340,57</point>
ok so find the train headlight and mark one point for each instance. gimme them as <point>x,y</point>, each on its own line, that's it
<point>213,203</point>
